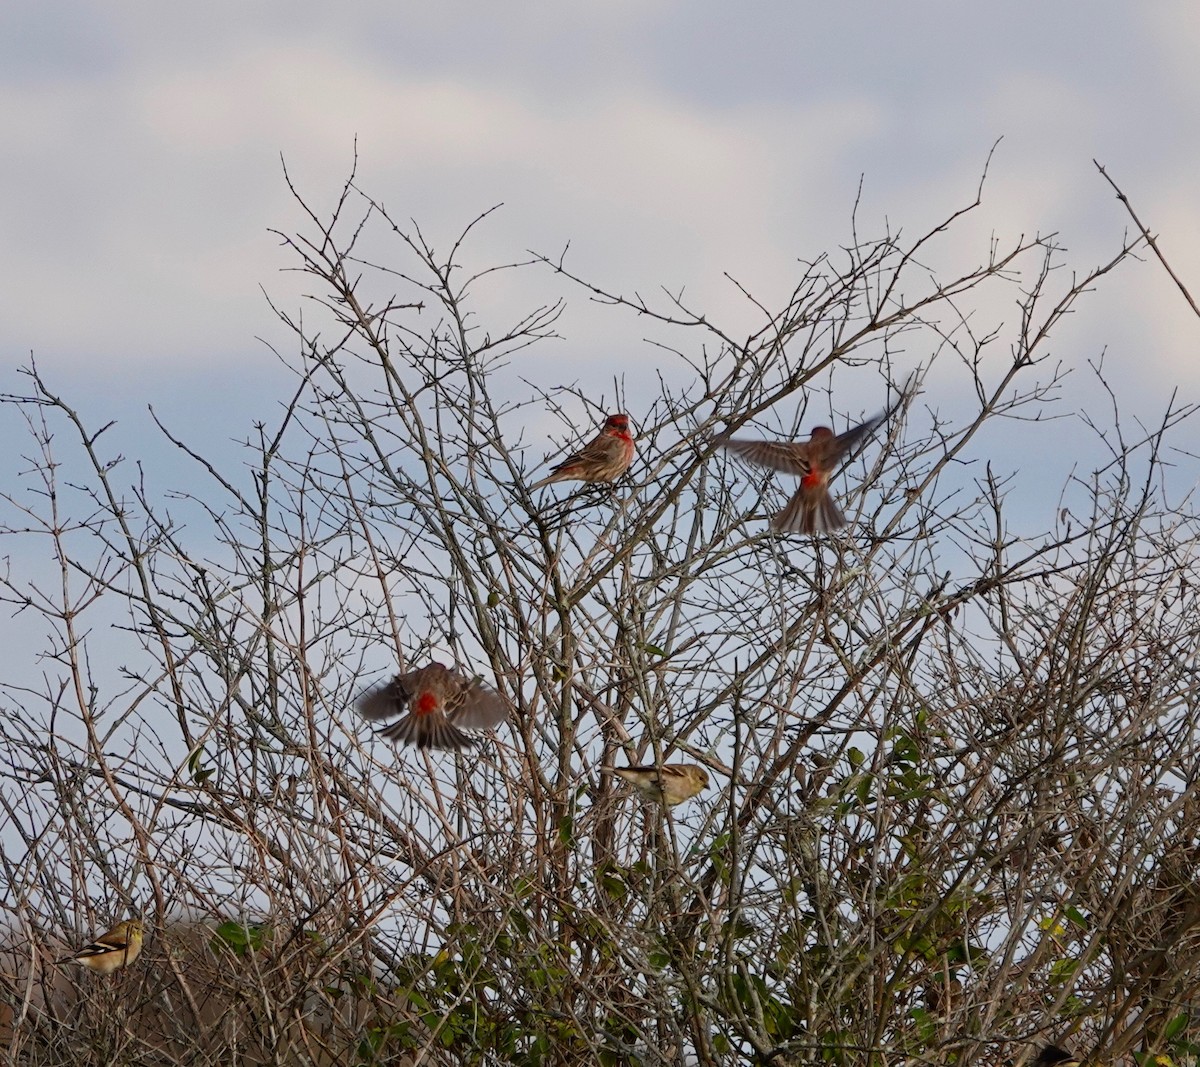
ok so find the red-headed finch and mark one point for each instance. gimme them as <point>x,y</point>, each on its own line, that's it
<point>812,509</point>
<point>111,951</point>
<point>441,704</point>
<point>670,784</point>
<point>603,459</point>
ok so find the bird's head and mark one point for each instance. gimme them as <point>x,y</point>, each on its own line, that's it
<point>618,424</point>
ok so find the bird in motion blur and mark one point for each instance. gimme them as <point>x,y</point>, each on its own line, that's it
<point>812,509</point>
<point>440,704</point>
<point>1053,1056</point>
<point>670,784</point>
<point>111,951</point>
<point>603,459</point>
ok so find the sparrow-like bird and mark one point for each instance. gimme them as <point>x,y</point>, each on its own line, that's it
<point>670,784</point>
<point>111,951</point>
<point>441,704</point>
<point>812,509</point>
<point>603,459</point>
<point>1053,1056</point>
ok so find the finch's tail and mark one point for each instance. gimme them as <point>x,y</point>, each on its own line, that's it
<point>812,510</point>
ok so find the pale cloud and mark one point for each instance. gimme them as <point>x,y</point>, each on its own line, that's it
<point>141,193</point>
<point>158,234</point>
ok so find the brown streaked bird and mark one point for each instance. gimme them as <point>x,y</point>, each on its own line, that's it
<point>604,458</point>
<point>441,704</point>
<point>111,951</point>
<point>670,784</point>
<point>1053,1056</point>
<point>812,509</point>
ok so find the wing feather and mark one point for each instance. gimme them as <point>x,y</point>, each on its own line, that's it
<point>787,456</point>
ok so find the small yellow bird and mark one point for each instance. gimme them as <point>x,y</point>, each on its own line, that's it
<point>670,784</point>
<point>1053,1056</point>
<point>111,951</point>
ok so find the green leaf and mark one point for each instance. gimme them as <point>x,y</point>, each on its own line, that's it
<point>1176,1026</point>
<point>1063,970</point>
<point>612,882</point>
<point>926,1023</point>
<point>198,776</point>
<point>240,938</point>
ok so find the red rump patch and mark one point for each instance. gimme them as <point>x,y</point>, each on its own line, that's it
<point>812,479</point>
<point>425,704</point>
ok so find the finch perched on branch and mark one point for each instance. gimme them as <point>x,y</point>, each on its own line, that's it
<point>441,703</point>
<point>111,951</point>
<point>603,459</point>
<point>812,509</point>
<point>670,784</point>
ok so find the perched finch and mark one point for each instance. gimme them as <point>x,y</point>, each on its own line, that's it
<point>603,459</point>
<point>111,951</point>
<point>811,510</point>
<point>1053,1056</point>
<point>670,784</point>
<point>441,703</point>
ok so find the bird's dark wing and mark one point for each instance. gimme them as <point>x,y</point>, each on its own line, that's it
<point>848,441</point>
<point>384,701</point>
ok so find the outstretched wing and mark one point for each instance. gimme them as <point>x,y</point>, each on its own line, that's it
<point>848,441</point>
<point>477,707</point>
<point>384,701</point>
<point>787,456</point>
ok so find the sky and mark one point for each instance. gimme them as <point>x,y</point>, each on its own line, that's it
<point>668,144</point>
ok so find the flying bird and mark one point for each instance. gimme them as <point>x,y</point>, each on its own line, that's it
<point>670,784</point>
<point>111,951</point>
<point>604,458</point>
<point>812,508</point>
<point>441,704</point>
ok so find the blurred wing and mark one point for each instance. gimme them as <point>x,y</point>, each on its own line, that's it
<point>479,708</point>
<point>786,456</point>
<point>384,701</point>
<point>846,442</point>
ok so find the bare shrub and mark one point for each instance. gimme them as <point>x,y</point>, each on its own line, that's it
<point>954,749</point>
